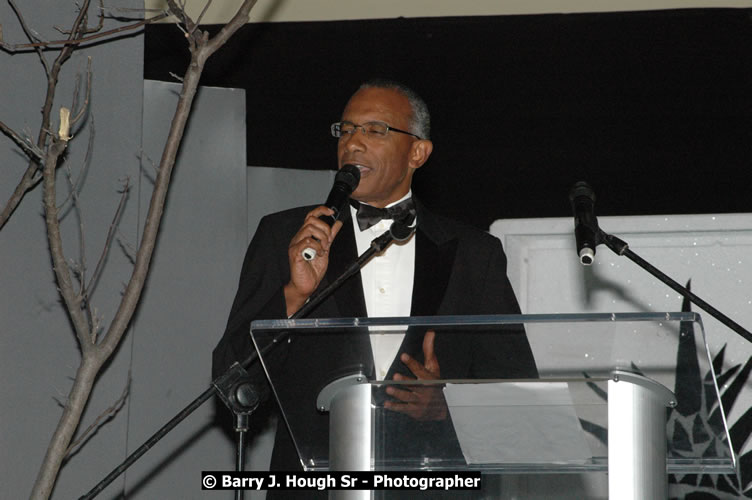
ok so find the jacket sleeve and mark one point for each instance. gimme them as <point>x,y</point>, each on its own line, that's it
<point>259,296</point>
<point>506,352</point>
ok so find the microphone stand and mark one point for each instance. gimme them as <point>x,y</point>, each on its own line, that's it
<point>621,248</point>
<point>234,387</point>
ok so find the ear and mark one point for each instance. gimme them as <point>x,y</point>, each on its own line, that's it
<point>419,153</point>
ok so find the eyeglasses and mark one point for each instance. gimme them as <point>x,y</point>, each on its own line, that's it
<point>370,129</point>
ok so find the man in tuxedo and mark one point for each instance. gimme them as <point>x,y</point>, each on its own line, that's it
<point>445,268</point>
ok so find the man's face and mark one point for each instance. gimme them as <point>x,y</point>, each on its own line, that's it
<point>386,163</point>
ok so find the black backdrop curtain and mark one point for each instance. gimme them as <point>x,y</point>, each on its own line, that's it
<point>652,108</point>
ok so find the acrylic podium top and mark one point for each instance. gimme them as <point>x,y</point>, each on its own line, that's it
<point>556,422</point>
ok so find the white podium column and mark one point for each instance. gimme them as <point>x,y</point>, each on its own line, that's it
<point>637,446</point>
<point>350,429</point>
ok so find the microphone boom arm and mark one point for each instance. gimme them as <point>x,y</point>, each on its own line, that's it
<point>400,231</point>
<point>621,248</point>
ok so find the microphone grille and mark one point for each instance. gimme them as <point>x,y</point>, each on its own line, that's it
<point>350,175</point>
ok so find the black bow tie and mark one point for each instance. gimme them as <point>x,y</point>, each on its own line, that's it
<point>369,216</point>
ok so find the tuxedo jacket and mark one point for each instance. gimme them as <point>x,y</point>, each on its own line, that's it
<point>459,270</point>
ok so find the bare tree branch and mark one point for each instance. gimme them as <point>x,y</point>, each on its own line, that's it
<point>85,39</point>
<point>90,365</point>
<point>72,411</point>
<point>143,155</point>
<point>239,19</point>
<point>32,38</point>
<point>81,271</point>
<point>62,271</point>
<point>102,418</point>
<point>130,9</point>
<point>76,186</point>
<point>27,182</point>
<point>201,16</point>
<point>85,106</point>
<point>127,248</point>
<point>176,77</point>
<point>98,27</point>
<point>96,350</point>
<point>166,164</point>
<point>108,241</point>
<point>178,11</point>
<point>28,147</point>
<point>29,178</point>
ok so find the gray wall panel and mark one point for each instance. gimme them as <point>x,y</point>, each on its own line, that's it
<point>274,189</point>
<point>190,289</point>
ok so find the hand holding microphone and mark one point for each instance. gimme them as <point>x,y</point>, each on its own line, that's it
<point>345,182</point>
<point>308,249</point>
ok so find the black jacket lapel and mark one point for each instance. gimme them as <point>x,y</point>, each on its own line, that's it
<point>435,252</point>
<point>433,267</point>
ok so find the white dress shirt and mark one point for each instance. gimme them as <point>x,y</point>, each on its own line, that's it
<point>387,287</point>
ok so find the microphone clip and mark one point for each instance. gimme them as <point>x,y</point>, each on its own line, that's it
<point>400,230</point>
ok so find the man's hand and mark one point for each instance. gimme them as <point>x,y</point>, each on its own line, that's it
<point>305,275</point>
<point>421,402</point>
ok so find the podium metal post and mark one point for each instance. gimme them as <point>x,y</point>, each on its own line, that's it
<point>350,429</point>
<point>637,445</point>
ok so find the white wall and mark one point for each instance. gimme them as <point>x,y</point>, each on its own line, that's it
<point>713,251</point>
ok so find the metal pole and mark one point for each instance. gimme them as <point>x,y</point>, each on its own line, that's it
<point>637,446</point>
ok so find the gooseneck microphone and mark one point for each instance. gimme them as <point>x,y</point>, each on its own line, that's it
<point>345,182</point>
<point>582,199</point>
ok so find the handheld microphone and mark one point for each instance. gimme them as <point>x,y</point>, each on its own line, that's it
<point>345,182</point>
<point>582,199</point>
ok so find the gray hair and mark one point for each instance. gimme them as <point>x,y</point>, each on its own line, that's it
<point>420,121</point>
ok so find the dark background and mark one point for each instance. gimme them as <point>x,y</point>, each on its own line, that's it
<point>653,109</point>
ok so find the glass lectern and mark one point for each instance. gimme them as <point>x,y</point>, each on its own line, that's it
<point>612,392</point>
